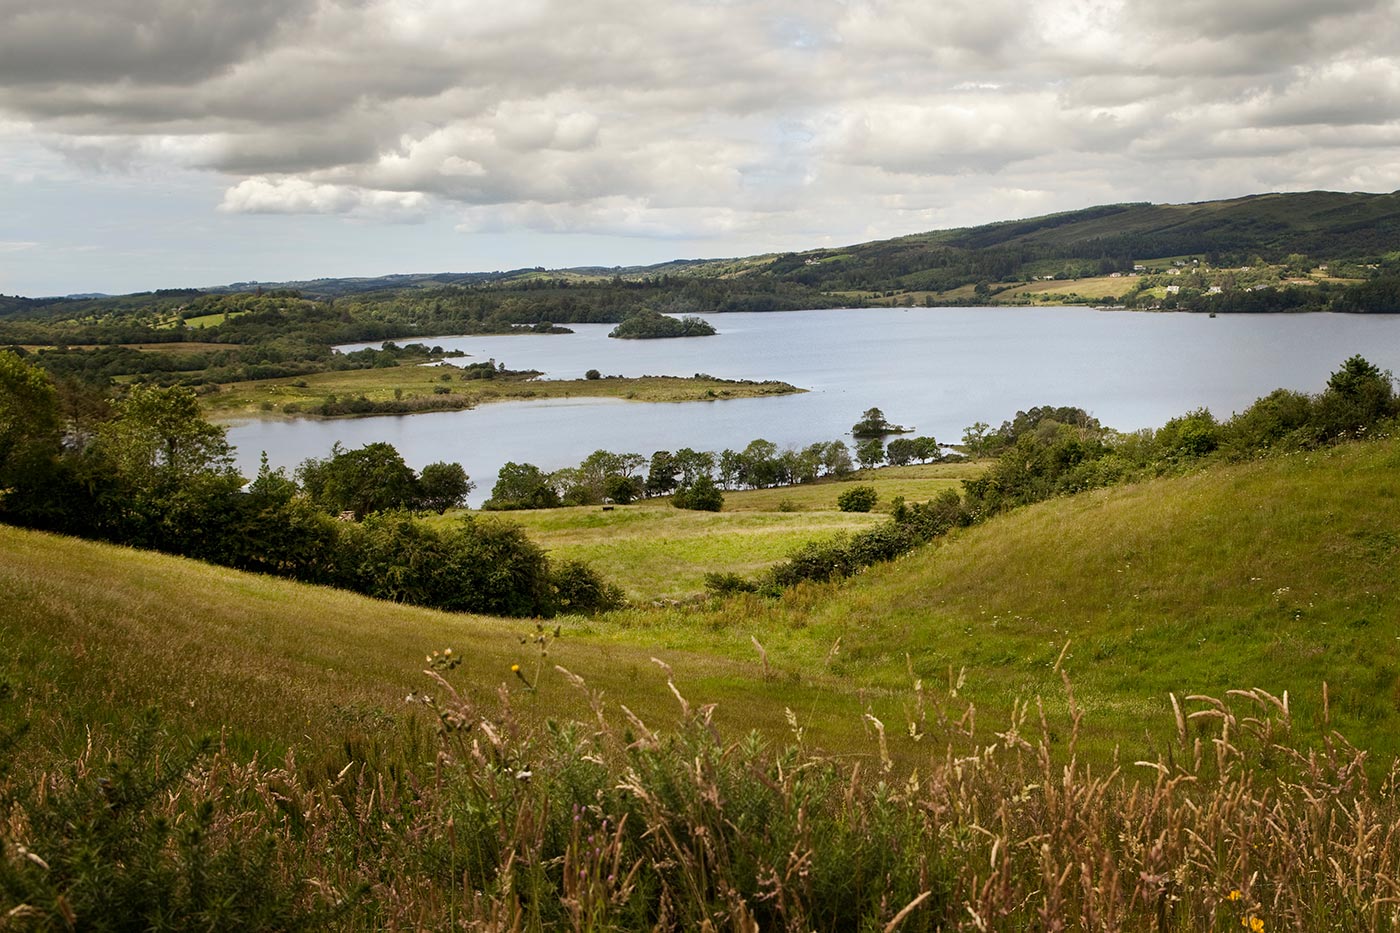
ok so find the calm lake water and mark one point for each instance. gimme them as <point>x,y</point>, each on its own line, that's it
<point>935,369</point>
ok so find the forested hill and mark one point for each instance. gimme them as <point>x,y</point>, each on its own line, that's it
<point>1355,236</point>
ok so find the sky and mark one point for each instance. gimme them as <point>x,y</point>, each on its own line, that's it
<point>180,143</point>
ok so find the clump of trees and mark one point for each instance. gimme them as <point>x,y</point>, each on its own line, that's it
<point>606,476</point>
<point>374,478</point>
<point>874,424</point>
<point>151,472</point>
<point>652,325</point>
<point>701,496</point>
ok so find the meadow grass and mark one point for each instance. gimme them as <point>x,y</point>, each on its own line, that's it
<point>1101,712</point>
<point>1279,574</point>
<point>98,633</point>
<point>1097,288</point>
<point>270,397</point>
<point>655,551</point>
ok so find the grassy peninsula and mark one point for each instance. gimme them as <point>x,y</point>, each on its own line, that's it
<point>405,389</point>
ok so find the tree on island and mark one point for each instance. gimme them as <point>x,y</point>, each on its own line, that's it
<point>873,424</point>
<point>652,325</point>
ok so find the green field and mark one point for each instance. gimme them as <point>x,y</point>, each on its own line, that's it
<point>655,551</point>
<point>1280,574</point>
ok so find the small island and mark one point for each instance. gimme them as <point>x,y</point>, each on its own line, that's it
<point>653,325</point>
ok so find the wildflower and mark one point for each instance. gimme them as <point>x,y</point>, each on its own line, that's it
<point>1234,895</point>
<point>515,668</point>
<point>1252,923</point>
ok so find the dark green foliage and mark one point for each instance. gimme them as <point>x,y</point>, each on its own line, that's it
<point>1278,420</point>
<point>1188,436</point>
<point>663,474</point>
<point>521,486</point>
<point>870,452</point>
<point>369,479</point>
<point>474,566</point>
<point>577,587</point>
<point>728,584</point>
<point>621,489</point>
<point>1357,397</point>
<point>650,325</point>
<point>857,499</point>
<point>902,450</point>
<point>593,374</point>
<point>873,424</point>
<point>701,496</point>
<point>443,486</point>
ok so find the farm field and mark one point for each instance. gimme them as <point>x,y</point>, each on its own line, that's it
<point>656,551</point>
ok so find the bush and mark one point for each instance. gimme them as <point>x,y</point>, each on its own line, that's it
<point>701,496</point>
<point>593,374</point>
<point>857,499</point>
<point>579,588</point>
<point>728,584</point>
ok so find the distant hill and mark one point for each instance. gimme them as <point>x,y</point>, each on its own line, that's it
<point>1323,225</point>
<point>1305,229</point>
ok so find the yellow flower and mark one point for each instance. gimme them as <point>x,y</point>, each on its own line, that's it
<point>1233,896</point>
<point>1252,923</point>
<point>515,668</point>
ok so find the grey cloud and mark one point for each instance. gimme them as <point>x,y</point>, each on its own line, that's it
<point>596,116</point>
<point>156,41</point>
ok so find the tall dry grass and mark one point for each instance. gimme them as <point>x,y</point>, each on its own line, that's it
<point>614,823</point>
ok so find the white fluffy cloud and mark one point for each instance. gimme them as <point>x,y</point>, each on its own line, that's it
<point>740,121</point>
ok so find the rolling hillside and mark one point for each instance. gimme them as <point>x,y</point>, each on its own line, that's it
<point>1280,574</point>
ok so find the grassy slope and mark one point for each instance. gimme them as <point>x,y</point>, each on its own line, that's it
<point>1278,574</point>
<point>93,634</point>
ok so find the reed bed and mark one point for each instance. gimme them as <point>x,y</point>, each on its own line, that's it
<point>613,823</point>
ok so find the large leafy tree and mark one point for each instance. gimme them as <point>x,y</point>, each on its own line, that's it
<point>444,486</point>
<point>29,420</point>
<point>372,478</point>
<point>1357,397</point>
<point>159,440</point>
<point>522,486</point>
<point>172,474</point>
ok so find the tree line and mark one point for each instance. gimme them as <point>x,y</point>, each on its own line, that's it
<point>147,470</point>
<point>695,478</point>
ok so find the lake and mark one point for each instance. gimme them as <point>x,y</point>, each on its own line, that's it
<point>937,370</point>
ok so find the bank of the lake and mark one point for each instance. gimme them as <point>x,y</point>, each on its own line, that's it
<point>937,370</point>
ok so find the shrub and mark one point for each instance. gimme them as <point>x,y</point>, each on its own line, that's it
<point>593,374</point>
<point>579,588</point>
<point>728,584</point>
<point>701,496</point>
<point>857,499</point>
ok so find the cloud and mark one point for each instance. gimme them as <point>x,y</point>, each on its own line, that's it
<point>262,195</point>
<point>708,119</point>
